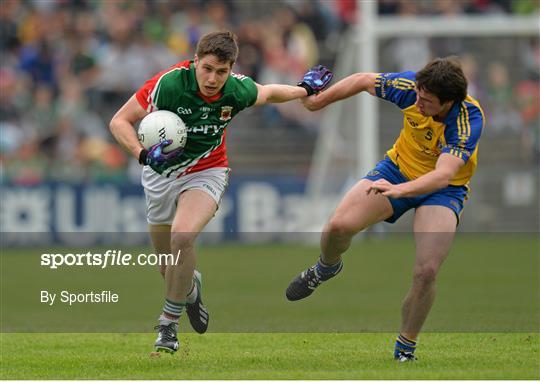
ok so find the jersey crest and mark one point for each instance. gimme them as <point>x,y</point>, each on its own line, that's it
<point>226,113</point>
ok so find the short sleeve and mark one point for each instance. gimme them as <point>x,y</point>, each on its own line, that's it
<point>398,88</point>
<point>163,86</point>
<point>146,95</point>
<point>463,134</point>
<point>246,90</point>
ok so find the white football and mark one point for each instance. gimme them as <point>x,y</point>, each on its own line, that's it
<point>161,125</point>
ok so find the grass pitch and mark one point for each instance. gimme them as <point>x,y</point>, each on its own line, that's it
<point>485,323</point>
<point>269,356</point>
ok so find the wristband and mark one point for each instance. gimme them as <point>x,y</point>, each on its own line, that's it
<point>308,88</point>
<point>142,156</point>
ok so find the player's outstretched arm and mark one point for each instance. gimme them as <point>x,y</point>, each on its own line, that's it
<point>347,87</point>
<point>315,80</point>
<point>275,93</point>
<point>122,129</point>
<point>447,167</point>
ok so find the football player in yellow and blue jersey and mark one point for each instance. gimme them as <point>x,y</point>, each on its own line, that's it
<point>428,169</point>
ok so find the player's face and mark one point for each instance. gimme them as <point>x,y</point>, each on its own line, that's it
<point>211,74</point>
<point>428,104</point>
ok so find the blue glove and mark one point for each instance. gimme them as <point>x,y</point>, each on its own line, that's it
<point>157,159</point>
<point>316,79</point>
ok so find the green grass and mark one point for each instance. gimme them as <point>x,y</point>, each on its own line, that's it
<point>485,323</point>
<point>488,284</point>
<point>269,356</point>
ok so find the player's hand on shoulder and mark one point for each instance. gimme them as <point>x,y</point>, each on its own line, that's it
<point>316,79</point>
<point>158,160</point>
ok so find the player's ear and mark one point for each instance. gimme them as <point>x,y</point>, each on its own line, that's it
<point>196,60</point>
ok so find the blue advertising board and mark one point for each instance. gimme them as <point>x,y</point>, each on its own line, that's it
<point>264,204</point>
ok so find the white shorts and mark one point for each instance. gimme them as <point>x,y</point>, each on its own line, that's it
<point>162,193</point>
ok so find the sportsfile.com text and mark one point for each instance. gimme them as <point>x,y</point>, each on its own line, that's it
<point>111,257</point>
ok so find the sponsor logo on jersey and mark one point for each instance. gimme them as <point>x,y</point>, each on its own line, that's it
<point>207,129</point>
<point>205,111</point>
<point>429,134</point>
<point>183,111</point>
<point>413,124</point>
<point>226,113</point>
<point>240,77</point>
<point>373,173</point>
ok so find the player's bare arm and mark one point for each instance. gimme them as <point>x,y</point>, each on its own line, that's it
<point>275,93</point>
<point>347,87</point>
<point>315,79</point>
<point>447,167</point>
<point>122,129</point>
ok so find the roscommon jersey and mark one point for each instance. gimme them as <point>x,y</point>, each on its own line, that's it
<point>422,139</point>
<point>176,89</point>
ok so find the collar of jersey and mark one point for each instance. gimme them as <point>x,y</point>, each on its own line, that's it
<point>452,114</point>
<point>195,87</point>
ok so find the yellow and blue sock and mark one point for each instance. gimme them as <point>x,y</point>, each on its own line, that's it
<point>405,345</point>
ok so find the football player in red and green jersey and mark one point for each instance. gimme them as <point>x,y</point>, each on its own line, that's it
<point>183,188</point>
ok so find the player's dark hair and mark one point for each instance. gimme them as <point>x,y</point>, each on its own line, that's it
<point>444,78</point>
<point>222,44</point>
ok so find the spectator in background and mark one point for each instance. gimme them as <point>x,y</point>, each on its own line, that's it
<point>8,28</point>
<point>529,55</point>
<point>470,69</point>
<point>107,45</point>
<point>122,60</point>
<point>500,106</point>
<point>38,61</point>
<point>409,52</point>
<point>453,7</point>
<point>289,48</point>
<point>527,96</point>
<point>43,116</point>
<point>448,8</point>
<point>250,38</point>
<point>11,129</point>
<point>185,30</point>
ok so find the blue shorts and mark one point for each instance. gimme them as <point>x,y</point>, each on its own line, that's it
<point>452,197</point>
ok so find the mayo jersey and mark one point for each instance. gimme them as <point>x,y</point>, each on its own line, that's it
<point>175,89</point>
<point>422,139</point>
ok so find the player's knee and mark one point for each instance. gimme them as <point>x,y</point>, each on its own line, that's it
<point>182,240</point>
<point>339,227</point>
<point>425,275</point>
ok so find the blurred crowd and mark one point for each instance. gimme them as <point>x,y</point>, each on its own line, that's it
<point>67,65</point>
<point>456,7</point>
